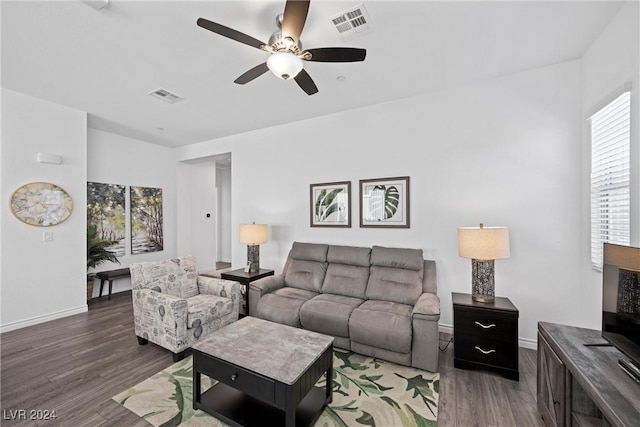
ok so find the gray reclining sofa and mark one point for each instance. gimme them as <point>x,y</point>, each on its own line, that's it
<point>378,301</point>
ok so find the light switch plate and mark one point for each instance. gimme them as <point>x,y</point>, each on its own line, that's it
<point>47,236</point>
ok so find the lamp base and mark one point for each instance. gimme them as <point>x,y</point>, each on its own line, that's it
<point>482,280</point>
<point>253,257</point>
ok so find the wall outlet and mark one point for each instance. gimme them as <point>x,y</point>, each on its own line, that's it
<point>47,236</point>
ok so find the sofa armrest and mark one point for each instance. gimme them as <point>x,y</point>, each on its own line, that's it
<point>261,287</point>
<point>222,288</point>
<point>427,307</point>
<point>424,346</point>
<point>160,318</point>
<point>268,284</point>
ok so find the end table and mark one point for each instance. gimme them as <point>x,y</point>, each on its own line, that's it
<point>239,275</point>
<point>485,335</point>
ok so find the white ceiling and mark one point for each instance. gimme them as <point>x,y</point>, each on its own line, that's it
<point>105,61</point>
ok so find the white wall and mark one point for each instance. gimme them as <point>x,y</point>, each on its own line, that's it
<point>502,152</point>
<point>114,159</point>
<point>223,186</point>
<point>42,281</point>
<point>203,203</point>
<point>612,60</point>
<point>197,197</point>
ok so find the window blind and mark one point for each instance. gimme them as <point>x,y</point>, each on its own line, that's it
<point>610,176</point>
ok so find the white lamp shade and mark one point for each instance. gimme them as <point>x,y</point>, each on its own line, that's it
<point>483,243</point>
<point>285,65</point>
<point>622,256</point>
<point>253,234</point>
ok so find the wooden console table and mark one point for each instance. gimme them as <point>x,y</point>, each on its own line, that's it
<point>111,275</point>
<point>582,385</point>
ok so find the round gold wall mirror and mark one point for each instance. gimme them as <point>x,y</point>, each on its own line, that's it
<point>41,204</point>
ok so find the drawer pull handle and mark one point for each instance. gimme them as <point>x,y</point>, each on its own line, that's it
<point>493,325</point>
<point>485,351</point>
<point>233,377</point>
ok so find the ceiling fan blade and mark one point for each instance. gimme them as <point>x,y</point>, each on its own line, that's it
<point>306,83</point>
<point>337,54</point>
<point>230,33</point>
<point>295,15</point>
<point>253,73</point>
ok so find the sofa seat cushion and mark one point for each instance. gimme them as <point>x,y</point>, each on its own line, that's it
<point>283,305</point>
<point>383,324</point>
<point>329,314</point>
<point>202,309</point>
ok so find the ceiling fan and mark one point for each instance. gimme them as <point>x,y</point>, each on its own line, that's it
<point>285,48</point>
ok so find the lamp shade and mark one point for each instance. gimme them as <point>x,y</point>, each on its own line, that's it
<point>622,257</point>
<point>253,234</point>
<point>483,243</point>
<point>285,65</point>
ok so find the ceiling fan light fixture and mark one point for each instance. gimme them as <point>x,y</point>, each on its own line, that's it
<point>285,65</point>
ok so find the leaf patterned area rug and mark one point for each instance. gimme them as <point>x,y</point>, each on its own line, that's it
<point>366,392</point>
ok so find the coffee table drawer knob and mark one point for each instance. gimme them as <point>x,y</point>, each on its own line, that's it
<point>233,377</point>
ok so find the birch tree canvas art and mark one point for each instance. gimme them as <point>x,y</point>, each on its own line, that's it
<point>106,213</point>
<point>146,220</point>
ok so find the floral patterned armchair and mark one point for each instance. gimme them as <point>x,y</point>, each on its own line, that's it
<point>173,306</point>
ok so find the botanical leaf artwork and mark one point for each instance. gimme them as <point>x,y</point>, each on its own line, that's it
<point>327,203</point>
<point>384,202</point>
<point>366,392</point>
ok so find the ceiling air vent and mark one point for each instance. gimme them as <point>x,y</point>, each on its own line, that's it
<point>165,95</point>
<point>352,22</point>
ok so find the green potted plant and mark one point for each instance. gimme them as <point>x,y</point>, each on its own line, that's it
<point>96,255</point>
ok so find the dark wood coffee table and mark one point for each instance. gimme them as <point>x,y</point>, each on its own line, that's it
<point>266,374</point>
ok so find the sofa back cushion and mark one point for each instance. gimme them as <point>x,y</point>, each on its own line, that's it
<point>396,275</point>
<point>306,266</point>
<point>175,276</point>
<point>348,271</point>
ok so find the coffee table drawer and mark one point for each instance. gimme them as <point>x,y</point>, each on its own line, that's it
<point>248,382</point>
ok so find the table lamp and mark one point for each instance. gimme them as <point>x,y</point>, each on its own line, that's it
<point>483,245</point>
<point>252,235</point>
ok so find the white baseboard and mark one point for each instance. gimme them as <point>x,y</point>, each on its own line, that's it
<point>11,326</point>
<point>522,342</point>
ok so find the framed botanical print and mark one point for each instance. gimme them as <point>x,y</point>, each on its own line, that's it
<point>384,202</point>
<point>330,204</point>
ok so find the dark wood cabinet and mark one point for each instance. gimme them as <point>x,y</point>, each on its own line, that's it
<point>485,335</point>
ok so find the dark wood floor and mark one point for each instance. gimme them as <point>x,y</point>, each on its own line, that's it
<point>73,366</point>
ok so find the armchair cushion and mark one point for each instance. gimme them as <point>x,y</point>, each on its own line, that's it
<point>175,276</point>
<point>204,308</point>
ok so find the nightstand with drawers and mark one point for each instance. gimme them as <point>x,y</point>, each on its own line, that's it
<point>485,335</point>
